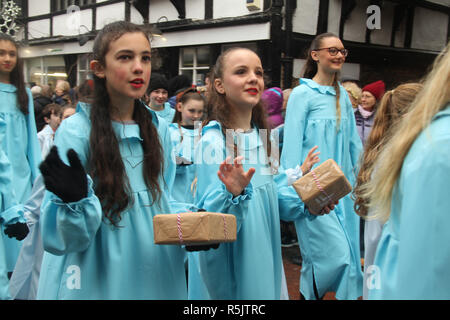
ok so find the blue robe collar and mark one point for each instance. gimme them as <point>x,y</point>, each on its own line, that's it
<point>319,88</point>
<point>7,87</point>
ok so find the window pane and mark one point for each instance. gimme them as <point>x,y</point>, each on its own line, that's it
<point>201,74</point>
<point>189,73</point>
<point>203,57</point>
<point>188,58</point>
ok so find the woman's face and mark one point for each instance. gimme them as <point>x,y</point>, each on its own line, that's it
<point>191,111</point>
<point>8,56</point>
<point>368,101</point>
<point>325,61</point>
<point>242,80</point>
<point>127,67</point>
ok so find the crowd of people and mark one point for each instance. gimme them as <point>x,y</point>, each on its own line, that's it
<point>84,170</point>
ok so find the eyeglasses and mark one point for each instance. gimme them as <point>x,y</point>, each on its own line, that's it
<point>333,51</point>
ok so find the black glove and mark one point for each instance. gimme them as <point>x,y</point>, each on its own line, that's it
<point>67,182</point>
<point>18,230</point>
<point>204,247</point>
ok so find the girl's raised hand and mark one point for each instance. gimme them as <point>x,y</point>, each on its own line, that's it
<point>311,159</point>
<point>233,176</point>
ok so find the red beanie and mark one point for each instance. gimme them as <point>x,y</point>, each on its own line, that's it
<point>376,88</point>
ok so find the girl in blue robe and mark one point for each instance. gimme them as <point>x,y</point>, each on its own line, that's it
<point>97,228</point>
<point>20,146</point>
<point>251,267</point>
<point>319,113</point>
<point>410,190</point>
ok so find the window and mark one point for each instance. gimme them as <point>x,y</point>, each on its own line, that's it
<point>83,68</point>
<point>59,5</point>
<point>46,70</point>
<point>195,63</point>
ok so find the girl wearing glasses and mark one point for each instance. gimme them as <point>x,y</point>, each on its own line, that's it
<point>319,112</point>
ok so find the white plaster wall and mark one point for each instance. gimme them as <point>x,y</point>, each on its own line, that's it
<point>383,36</point>
<point>110,13</point>
<point>36,8</point>
<point>195,9</point>
<point>61,27</point>
<point>251,32</point>
<point>159,8</point>
<point>444,2</point>
<point>429,30</point>
<point>232,8</point>
<point>135,16</point>
<point>305,17</point>
<point>39,29</point>
<point>355,26</point>
<point>334,16</point>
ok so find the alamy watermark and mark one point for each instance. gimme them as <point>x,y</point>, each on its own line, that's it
<point>374,20</point>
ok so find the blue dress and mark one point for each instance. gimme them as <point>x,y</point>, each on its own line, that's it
<point>250,267</point>
<point>329,244</point>
<point>22,149</point>
<point>413,253</point>
<point>86,257</point>
<point>167,113</point>
<point>183,143</point>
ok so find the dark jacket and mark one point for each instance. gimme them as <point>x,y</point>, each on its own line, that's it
<point>363,125</point>
<point>39,103</point>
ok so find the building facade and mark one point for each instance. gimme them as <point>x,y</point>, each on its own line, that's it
<point>393,40</point>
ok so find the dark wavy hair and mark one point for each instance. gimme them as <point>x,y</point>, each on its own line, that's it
<point>310,69</point>
<point>16,76</point>
<point>219,109</point>
<point>112,186</point>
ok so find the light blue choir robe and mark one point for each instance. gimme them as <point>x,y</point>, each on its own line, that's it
<point>167,113</point>
<point>87,258</point>
<point>5,179</point>
<point>413,254</point>
<point>184,149</point>
<point>251,267</point>
<point>21,147</point>
<point>329,244</point>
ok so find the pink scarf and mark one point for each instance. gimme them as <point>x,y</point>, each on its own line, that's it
<point>365,114</point>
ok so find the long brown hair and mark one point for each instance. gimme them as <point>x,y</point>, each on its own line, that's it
<point>16,77</point>
<point>393,106</point>
<point>219,109</point>
<point>310,69</point>
<point>112,186</point>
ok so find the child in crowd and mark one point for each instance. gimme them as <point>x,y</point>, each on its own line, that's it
<point>189,110</point>
<point>393,106</point>
<point>157,97</point>
<point>20,147</point>
<point>410,192</point>
<point>97,219</point>
<point>52,116</point>
<point>251,267</point>
<point>319,113</point>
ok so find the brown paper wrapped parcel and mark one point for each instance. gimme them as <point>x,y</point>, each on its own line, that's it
<point>322,186</point>
<point>194,228</point>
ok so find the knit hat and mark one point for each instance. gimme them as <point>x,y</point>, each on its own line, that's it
<point>376,88</point>
<point>157,81</point>
<point>273,101</point>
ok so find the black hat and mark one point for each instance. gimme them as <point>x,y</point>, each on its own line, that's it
<point>179,83</point>
<point>157,81</point>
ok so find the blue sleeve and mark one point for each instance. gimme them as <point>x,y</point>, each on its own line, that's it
<point>294,128</point>
<point>211,194</point>
<point>10,210</point>
<point>70,227</point>
<point>290,204</point>
<point>424,255</point>
<point>34,149</point>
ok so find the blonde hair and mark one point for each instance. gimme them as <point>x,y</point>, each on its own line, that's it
<point>433,98</point>
<point>353,90</point>
<point>393,106</point>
